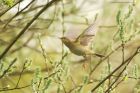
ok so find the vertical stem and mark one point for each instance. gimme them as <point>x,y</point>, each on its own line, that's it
<point>63,28</point>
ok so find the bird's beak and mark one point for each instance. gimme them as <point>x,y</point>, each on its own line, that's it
<point>60,37</point>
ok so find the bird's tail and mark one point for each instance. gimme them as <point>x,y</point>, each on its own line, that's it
<point>99,55</point>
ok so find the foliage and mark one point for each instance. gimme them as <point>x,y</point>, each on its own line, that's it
<point>33,58</point>
<point>7,2</point>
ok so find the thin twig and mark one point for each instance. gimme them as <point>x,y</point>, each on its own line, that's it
<point>126,61</point>
<point>26,27</point>
<point>101,61</point>
<point>10,65</point>
<point>19,1</point>
<point>3,29</point>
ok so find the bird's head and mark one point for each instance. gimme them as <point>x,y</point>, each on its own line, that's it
<point>65,40</point>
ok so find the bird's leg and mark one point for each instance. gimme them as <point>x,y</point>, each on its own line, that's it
<point>85,64</point>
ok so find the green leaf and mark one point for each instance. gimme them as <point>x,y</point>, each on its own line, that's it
<point>48,84</point>
<point>9,3</point>
<point>118,17</point>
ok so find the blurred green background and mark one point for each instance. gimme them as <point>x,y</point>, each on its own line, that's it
<point>40,45</point>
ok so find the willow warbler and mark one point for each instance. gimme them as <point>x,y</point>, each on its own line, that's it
<point>77,48</point>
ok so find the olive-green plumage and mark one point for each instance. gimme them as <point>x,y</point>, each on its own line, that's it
<point>77,48</point>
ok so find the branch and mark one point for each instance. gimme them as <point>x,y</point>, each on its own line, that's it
<point>26,27</point>
<point>125,62</point>
<point>10,65</point>
<point>1,14</point>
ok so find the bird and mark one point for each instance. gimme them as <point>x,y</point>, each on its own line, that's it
<point>82,43</point>
<point>78,49</point>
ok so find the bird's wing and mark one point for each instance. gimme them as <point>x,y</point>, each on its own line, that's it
<point>87,35</point>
